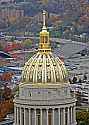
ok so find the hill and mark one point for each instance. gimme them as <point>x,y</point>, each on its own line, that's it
<point>71,13</point>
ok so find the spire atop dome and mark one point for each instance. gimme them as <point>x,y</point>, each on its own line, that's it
<point>44,20</point>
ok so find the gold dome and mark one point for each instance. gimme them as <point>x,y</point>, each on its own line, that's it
<point>44,67</point>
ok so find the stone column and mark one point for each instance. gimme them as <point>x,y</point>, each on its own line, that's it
<point>47,117</point>
<point>41,117</point>
<point>53,116</point>
<point>71,115</point>
<point>35,116</point>
<point>63,116</point>
<point>15,115</point>
<point>20,116</point>
<point>74,114</point>
<point>29,116</point>
<point>68,116</point>
<point>24,117</point>
<point>59,114</point>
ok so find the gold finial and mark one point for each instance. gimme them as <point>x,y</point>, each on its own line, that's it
<point>44,20</point>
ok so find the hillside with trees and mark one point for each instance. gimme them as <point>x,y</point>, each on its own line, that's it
<point>68,12</point>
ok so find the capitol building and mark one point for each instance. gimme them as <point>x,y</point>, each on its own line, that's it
<point>44,96</point>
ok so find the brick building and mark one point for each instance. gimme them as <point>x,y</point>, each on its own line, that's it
<point>11,14</point>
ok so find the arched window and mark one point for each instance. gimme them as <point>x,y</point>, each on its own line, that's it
<point>46,39</point>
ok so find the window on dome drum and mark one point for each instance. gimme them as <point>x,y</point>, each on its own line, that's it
<point>22,92</point>
<point>49,92</point>
<point>59,92</point>
<point>65,91</point>
<point>38,92</point>
<point>30,94</point>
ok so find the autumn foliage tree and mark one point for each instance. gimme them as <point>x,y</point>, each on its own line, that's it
<point>7,94</point>
<point>7,76</point>
<point>27,43</point>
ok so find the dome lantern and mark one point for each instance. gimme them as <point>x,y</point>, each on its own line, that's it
<point>44,45</point>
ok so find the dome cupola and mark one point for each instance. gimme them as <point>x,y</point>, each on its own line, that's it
<point>44,45</point>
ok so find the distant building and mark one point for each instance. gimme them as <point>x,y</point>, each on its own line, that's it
<point>83,89</point>
<point>11,14</point>
<point>6,1</point>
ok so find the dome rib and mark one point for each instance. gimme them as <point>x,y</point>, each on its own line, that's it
<point>53,79</point>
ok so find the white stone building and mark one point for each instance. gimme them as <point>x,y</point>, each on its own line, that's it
<point>44,95</point>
